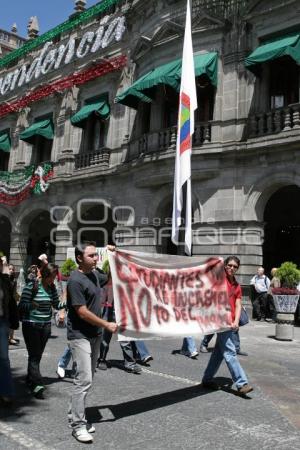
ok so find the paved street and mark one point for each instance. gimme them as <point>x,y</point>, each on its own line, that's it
<point>164,407</point>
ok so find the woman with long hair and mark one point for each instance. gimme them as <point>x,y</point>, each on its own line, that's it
<point>37,300</point>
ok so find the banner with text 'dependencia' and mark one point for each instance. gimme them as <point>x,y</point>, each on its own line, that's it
<point>159,296</point>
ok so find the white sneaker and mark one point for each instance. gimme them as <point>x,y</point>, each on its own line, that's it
<point>82,435</point>
<point>194,354</point>
<point>60,372</point>
<point>90,428</point>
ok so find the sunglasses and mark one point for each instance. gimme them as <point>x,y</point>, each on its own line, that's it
<point>233,266</point>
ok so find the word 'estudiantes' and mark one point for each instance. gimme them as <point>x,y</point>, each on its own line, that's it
<point>50,59</point>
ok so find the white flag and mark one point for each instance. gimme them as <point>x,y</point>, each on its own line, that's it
<point>185,130</point>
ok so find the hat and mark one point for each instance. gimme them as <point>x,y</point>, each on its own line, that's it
<point>43,256</point>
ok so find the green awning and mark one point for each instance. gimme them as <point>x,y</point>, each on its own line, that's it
<point>169,74</point>
<point>100,108</point>
<point>273,49</point>
<point>43,128</point>
<point>5,143</point>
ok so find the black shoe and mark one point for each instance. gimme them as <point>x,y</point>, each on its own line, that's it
<point>134,369</point>
<point>242,353</point>
<point>102,365</point>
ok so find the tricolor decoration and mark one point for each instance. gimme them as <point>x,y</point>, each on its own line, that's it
<point>68,25</point>
<point>16,187</point>
<point>75,79</point>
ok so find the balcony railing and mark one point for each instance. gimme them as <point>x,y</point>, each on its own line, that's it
<point>274,121</point>
<point>223,8</point>
<point>98,158</point>
<point>165,140</point>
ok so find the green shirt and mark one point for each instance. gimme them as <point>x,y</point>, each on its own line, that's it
<point>45,299</point>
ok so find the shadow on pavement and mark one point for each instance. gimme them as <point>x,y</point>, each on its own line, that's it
<point>145,404</point>
<point>23,398</point>
<point>272,336</point>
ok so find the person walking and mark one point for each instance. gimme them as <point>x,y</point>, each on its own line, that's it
<point>8,319</point>
<point>84,292</point>
<point>37,300</point>
<point>189,347</point>
<point>132,350</point>
<point>235,338</point>
<point>225,348</point>
<point>261,284</point>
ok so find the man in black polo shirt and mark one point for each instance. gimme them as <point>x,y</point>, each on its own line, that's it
<point>84,291</point>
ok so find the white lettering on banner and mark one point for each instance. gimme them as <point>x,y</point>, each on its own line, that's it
<point>52,59</point>
<point>168,296</point>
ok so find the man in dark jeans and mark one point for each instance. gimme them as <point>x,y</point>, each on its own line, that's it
<point>261,284</point>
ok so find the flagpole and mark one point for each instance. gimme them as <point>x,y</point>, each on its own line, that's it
<point>185,130</point>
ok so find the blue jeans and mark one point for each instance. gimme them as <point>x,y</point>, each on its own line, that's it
<point>206,340</point>
<point>188,345</point>
<point>65,358</point>
<point>6,381</point>
<point>235,339</point>
<point>225,349</point>
<point>141,350</point>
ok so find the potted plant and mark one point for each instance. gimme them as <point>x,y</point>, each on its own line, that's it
<point>68,266</point>
<point>286,299</point>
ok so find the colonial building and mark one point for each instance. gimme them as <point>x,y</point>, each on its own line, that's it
<point>10,41</point>
<point>93,105</point>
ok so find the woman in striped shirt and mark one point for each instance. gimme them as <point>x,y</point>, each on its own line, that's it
<point>37,300</point>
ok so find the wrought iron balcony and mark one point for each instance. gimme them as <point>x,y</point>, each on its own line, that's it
<point>274,121</point>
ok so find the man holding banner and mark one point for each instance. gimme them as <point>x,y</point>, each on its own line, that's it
<point>84,291</point>
<point>225,348</point>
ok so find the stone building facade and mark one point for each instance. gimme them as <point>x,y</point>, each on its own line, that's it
<point>82,105</point>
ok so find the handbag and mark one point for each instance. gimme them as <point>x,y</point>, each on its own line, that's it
<point>244,319</point>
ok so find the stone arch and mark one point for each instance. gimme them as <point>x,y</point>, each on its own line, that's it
<point>93,220</point>
<point>34,228</point>
<point>262,190</point>
<point>163,214</point>
<point>282,227</point>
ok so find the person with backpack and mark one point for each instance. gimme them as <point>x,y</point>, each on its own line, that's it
<point>261,284</point>
<point>37,300</point>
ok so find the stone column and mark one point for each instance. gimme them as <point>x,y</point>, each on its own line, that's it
<point>18,250</point>
<point>136,238</point>
<point>63,240</point>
